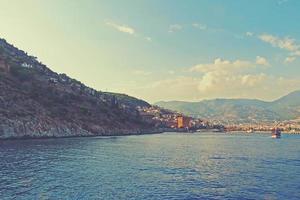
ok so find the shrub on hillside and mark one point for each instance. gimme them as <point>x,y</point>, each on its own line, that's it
<point>23,74</point>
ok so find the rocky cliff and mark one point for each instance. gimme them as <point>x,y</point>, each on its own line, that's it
<point>37,102</point>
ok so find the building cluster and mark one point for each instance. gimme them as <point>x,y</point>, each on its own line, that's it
<point>184,122</point>
<point>169,119</point>
<point>288,126</point>
<point>177,121</point>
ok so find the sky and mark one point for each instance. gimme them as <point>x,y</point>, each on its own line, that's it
<point>164,50</point>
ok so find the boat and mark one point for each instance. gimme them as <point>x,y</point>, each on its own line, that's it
<point>251,130</point>
<point>276,133</point>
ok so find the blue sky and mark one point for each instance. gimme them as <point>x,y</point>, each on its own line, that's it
<point>164,50</point>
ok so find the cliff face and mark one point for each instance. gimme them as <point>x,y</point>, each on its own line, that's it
<point>37,102</point>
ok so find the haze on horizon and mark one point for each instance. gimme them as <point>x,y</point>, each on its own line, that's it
<point>164,50</point>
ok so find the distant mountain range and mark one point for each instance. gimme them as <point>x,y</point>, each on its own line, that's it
<point>240,110</point>
<point>37,102</point>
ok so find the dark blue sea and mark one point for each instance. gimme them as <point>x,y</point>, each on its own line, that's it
<point>162,166</point>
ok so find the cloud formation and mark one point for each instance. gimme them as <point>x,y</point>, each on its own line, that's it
<point>199,26</point>
<point>127,29</point>
<point>262,61</point>
<point>218,85</point>
<point>224,74</point>
<point>121,28</point>
<point>174,28</point>
<point>250,34</point>
<point>220,64</point>
<point>287,43</point>
<point>221,78</point>
<point>290,59</point>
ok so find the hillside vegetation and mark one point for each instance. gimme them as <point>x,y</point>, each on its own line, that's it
<point>37,102</point>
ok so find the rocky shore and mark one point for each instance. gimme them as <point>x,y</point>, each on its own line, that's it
<point>21,130</point>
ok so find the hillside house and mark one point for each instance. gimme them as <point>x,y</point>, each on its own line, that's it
<point>26,65</point>
<point>53,80</point>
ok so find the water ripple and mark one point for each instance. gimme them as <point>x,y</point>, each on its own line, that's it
<point>167,166</point>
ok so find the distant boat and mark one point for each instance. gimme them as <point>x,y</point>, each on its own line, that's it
<point>276,133</point>
<point>251,130</point>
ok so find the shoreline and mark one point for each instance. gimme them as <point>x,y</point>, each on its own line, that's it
<point>117,134</point>
<point>262,132</point>
<point>133,133</point>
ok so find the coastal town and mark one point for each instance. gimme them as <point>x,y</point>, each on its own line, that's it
<point>287,126</point>
<point>177,121</point>
<point>174,120</point>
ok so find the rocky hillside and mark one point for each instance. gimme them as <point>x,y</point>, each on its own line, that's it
<point>37,102</point>
<point>240,110</point>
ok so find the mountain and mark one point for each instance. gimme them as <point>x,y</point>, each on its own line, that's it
<point>37,102</point>
<point>240,110</point>
<point>288,107</point>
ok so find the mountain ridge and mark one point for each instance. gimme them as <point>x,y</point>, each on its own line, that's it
<point>240,110</point>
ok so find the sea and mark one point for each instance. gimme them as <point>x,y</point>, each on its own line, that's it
<point>159,166</point>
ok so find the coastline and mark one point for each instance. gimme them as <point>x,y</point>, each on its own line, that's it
<point>82,133</point>
<point>261,132</point>
<point>118,133</point>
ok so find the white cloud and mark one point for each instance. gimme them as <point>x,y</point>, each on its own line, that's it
<point>174,28</point>
<point>252,80</point>
<point>121,28</point>
<point>250,34</point>
<point>220,79</point>
<point>217,85</point>
<point>222,65</point>
<point>228,83</point>
<point>229,78</point>
<point>262,61</point>
<point>127,29</point>
<point>286,43</point>
<point>223,74</point>
<point>290,59</point>
<point>199,26</point>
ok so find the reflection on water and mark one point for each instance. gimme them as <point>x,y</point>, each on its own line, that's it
<point>166,166</point>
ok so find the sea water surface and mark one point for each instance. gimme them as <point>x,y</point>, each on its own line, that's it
<point>162,166</point>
